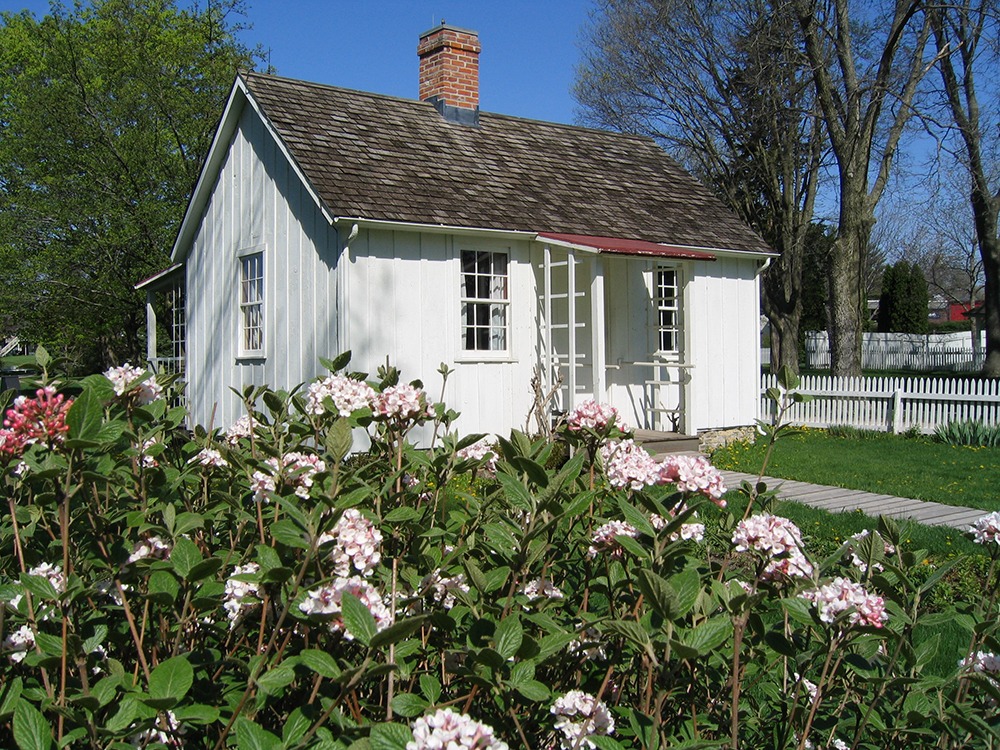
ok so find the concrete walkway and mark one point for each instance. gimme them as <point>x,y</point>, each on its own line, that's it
<point>838,500</point>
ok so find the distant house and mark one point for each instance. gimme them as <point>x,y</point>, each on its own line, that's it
<point>422,232</point>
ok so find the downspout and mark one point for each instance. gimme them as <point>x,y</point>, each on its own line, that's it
<point>344,286</point>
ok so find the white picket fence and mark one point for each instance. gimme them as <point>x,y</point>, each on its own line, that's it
<point>951,352</point>
<point>889,404</point>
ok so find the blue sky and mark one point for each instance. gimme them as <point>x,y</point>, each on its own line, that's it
<point>526,67</point>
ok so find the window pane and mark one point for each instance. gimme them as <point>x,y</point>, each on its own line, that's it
<point>484,305</point>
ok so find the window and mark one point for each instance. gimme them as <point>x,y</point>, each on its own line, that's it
<point>252,303</point>
<point>667,311</point>
<point>484,301</point>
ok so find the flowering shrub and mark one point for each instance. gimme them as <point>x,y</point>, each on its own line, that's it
<point>258,587</point>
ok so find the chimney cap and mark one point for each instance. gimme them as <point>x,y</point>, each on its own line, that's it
<point>444,25</point>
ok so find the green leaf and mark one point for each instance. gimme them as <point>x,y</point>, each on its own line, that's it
<point>397,632</point>
<point>42,356</point>
<point>390,736</point>
<point>275,679</point>
<point>163,586</point>
<point>515,492</point>
<point>635,517</point>
<point>319,662</point>
<point>509,634</point>
<point>31,730</point>
<point>171,679</point>
<point>409,705</point>
<point>430,686</point>
<point>184,556</point>
<point>340,440</point>
<point>11,691</point>
<point>635,633</point>
<point>196,714</point>
<point>85,416</point>
<point>204,569</point>
<point>40,586</point>
<point>401,515</point>
<point>533,471</point>
<point>688,587</point>
<point>358,620</point>
<point>534,691</point>
<point>295,727</point>
<point>709,635</point>
<point>632,546</point>
<point>288,533</point>
<point>250,736</point>
<point>660,594</point>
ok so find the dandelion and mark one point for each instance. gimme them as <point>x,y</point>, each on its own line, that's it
<point>447,730</point>
<point>581,716</point>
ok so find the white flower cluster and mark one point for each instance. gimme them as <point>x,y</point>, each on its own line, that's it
<point>591,415</point>
<point>588,645</point>
<point>542,588</point>
<point>401,403</point>
<point>447,730</point>
<point>55,576</point>
<point>691,531</point>
<point>150,548</point>
<point>357,544</point>
<point>981,662</point>
<point>297,469</point>
<point>165,731</point>
<point>482,450</point>
<point>210,458</point>
<point>628,465</point>
<point>326,600</point>
<point>888,548</point>
<point>134,381</point>
<point>240,596</point>
<point>241,428</point>
<point>987,529</point>
<point>810,687</point>
<point>604,539</point>
<point>19,643</point>
<point>581,716</point>
<point>348,395</point>
<point>777,538</point>
<point>147,460</point>
<point>841,594</point>
<point>443,588</point>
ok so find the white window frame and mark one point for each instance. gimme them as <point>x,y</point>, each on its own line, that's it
<point>667,309</point>
<point>247,305</point>
<point>494,299</point>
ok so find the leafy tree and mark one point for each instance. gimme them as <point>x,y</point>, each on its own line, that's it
<point>967,34</point>
<point>724,88</point>
<point>106,113</point>
<point>902,306</point>
<point>866,63</point>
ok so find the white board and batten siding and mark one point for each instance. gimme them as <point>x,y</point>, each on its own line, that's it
<point>722,334</point>
<point>404,290</point>
<point>258,203</point>
<point>890,404</point>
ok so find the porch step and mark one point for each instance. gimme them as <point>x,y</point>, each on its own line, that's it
<point>659,443</point>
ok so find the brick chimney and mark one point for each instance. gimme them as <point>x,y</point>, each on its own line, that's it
<point>449,72</point>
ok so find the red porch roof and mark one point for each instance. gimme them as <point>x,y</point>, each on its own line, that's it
<point>616,246</point>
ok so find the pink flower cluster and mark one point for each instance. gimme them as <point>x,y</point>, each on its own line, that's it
<point>326,600</point>
<point>32,420</point>
<point>987,529</point>
<point>591,415</point>
<point>628,465</point>
<point>348,395</point>
<point>209,458</point>
<point>482,450</point>
<point>241,428</point>
<point>981,662</point>
<point>357,544</point>
<point>150,548</point>
<point>694,474</point>
<point>134,382</point>
<point>241,596</point>
<point>19,643</point>
<point>889,549</point>
<point>579,717</point>
<point>447,730</point>
<point>542,588</point>
<point>295,469</point>
<point>776,538</point>
<point>840,595</point>
<point>443,588</point>
<point>605,539</point>
<point>401,403</point>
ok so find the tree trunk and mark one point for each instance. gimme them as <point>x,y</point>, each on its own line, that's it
<point>782,301</point>
<point>990,248</point>
<point>846,292</point>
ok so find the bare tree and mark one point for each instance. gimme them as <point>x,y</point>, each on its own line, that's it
<point>724,87</point>
<point>967,35</point>
<point>867,62</point>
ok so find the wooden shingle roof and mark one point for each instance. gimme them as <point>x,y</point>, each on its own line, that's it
<point>379,157</point>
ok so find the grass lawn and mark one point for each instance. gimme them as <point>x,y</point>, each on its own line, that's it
<point>914,467</point>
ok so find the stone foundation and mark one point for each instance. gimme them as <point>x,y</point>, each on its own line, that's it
<point>710,440</point>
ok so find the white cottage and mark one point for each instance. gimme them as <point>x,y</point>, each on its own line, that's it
<point>422,232</point>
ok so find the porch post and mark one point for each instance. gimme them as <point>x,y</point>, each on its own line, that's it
<point>597,328</point>
<point>571,327</point>
<point>547,307</point>
<point>150,329</point>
